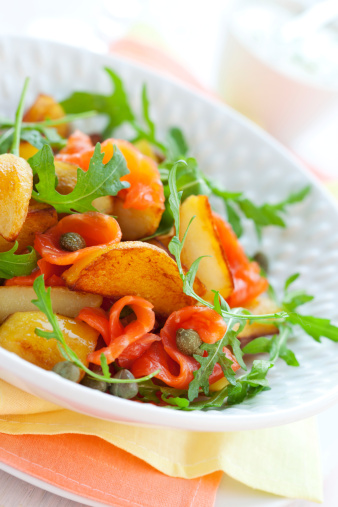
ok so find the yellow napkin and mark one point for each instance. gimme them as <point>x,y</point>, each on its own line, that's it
<point>284,460</point>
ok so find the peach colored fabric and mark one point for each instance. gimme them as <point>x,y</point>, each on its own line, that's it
<point>90,467</point>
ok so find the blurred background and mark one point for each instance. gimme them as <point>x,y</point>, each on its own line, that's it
<point>270,59</point>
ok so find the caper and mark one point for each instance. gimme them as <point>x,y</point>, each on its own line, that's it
<point>72,241</point>
<point>262,260</point>
<point>188,342</point>
<point>93,383</point>
<point>127,391</point>
<point>67,370</point>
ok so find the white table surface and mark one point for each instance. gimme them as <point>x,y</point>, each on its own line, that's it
<point>318,146</point>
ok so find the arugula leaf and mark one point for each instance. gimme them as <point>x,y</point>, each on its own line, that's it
<point>262,216</point>
<point>18,119</point>
<point>44,303</point>
<point>100,180</point>
<point>17,265</point>
<point>148,133</point>
<point>275,345</point>
<point>114,105</point>
<point>314,326</point>
<point>176,402</point>
<point>250,384</point>
<point>6,139</point>
<point>177,146</point>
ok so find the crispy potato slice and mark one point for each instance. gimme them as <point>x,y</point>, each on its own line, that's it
<point>45,107</point>
<point>202,239</point>
<point>40,217</point>
<point>16,183</point>
<point>67,177</point>
<point>132,268</point>
<point>260,306</point>
<point>27,150</point>
<point>136,224</point>
<point>17,334</point>
<point>19,299</point>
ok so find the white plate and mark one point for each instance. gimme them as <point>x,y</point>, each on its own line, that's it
<point>242,157</point>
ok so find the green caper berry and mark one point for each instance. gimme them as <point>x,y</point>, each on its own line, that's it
<point>188,342</point>
<point>262,260</point>
<point>67,370</point>
<point>126,391</point>
<point>93,383</point>
<point>72,241</point>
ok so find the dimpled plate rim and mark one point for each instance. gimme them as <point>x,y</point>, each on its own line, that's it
<point>242,156</point>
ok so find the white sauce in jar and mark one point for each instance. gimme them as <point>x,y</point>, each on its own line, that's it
<point>313,58</point>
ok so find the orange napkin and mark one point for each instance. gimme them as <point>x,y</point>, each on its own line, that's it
<point>93,468</point>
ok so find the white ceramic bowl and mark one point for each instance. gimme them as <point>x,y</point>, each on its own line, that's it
<point>242,157</point>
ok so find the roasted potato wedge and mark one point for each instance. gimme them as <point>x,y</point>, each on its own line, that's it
<point>65,302</point>
<point>66,175</point>
<point>17,334</point>
<point>45,107</point>
<point>202,240</point>
<point>40,217</point>
<point>16,183</point>
<point>136,224</point>
<point>132,268</point>
<point>260,306</point>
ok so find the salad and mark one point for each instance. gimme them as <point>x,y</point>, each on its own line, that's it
<point>116,271</point>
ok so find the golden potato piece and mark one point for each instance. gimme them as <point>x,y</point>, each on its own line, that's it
<point>16,183</point>
<point>202,239</point>
<point>40,217</point>
<point>27,150</point>
<point>17,334</point>
<point>136,224</point>
<point>46,108</point>
<point>260,306</point>
<point>66,175</point>
<point>132,268</point>
<point>65,302</point>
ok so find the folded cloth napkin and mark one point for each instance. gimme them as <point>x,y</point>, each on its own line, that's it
<point>125,465</point>
<point>283,460</point>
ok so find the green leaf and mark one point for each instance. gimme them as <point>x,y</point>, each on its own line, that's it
<point>250,384</point>
<point>177,144</point>
<point>290,280</point>
<point>289,357</point>
<point>17,265</point>
<point>115,105</point>
<point>237,393</point>
<point>146,114</point>
<point>6,140</point>
<point>294,299</point>
<point>234,219</point>
<point>100,180</point>
<point>258,346</point>
<point>315,326</point>
<point>18,119</point>
<point>104,366</point>
<point>176,402</point>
